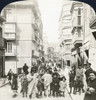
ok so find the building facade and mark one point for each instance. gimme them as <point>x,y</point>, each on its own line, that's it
<point>23,32</point>
<point>83,34</point>
<point>65,36</point>
<point>77,32</point>
<point>90,35</point>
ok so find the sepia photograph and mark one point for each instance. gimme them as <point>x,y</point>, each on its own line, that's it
<point>48,50</point>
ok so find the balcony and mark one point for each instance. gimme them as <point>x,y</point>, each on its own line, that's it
<point>93,22</point>
<point>67,37</point>
<point>10,36</point>
<point>13,53</point>
<point>35,26</point>
<point>34,38</point>
<point>77,40</point>
<point>2,43</point>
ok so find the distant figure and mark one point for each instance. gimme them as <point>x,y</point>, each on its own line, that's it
<point>10,73</point>
<point>25,69</point>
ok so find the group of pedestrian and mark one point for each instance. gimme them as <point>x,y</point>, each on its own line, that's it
<point>45,80</point>
<point>40,81</point>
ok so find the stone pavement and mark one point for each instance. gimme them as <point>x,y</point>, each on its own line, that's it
<point>6,94</point>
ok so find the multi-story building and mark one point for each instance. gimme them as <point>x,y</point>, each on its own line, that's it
<point>83,32</point>
<point>77,32</point>
<point>2,47</point>
<point>65,36</point>
<point>90,34</point>
<point>23,32</point>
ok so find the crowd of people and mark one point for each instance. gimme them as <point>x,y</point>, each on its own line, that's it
<point>45,80</point>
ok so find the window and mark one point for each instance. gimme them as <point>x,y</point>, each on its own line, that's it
<point>79,20</point>
<point>8,15</point>
<point>67,46</point>
<point>10,28</point>
<point>79,11</point>
<point>68,62</point>
<point>79,16</point>
<point>9,47</point>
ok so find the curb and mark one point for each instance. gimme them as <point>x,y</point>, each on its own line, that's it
<point>4,85</point>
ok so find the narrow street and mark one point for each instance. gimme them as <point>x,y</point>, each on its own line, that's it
<point>7,95</point>
<point>7,92</point>
<point>48,50</point>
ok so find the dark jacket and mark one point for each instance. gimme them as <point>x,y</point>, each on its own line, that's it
<point>25,69</point>
<point>9,75</point>
<point>87,72</point>
<point>92,96</point>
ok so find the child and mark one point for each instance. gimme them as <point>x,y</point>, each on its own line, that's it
<point>55,84</point>
<point>14,85</point>
<point>78,85</point>
<point>24,85</point>
<point>40,86</point>
<point>63,85</point>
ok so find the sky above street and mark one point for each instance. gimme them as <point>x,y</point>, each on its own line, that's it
<point>50,12</point>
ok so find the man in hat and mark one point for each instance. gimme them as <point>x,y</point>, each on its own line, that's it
<point>25,69</point>
<point>87,72</point>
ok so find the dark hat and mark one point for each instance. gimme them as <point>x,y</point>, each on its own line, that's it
<point>94,72</point>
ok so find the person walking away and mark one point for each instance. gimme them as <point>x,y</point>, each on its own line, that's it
<point>91,89</point>
<point>24,85</point>
<point>63,86</point>
<point>25,69</point>
<point>14,85</point>
<point>10,73</point>
<point>47,81</point>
